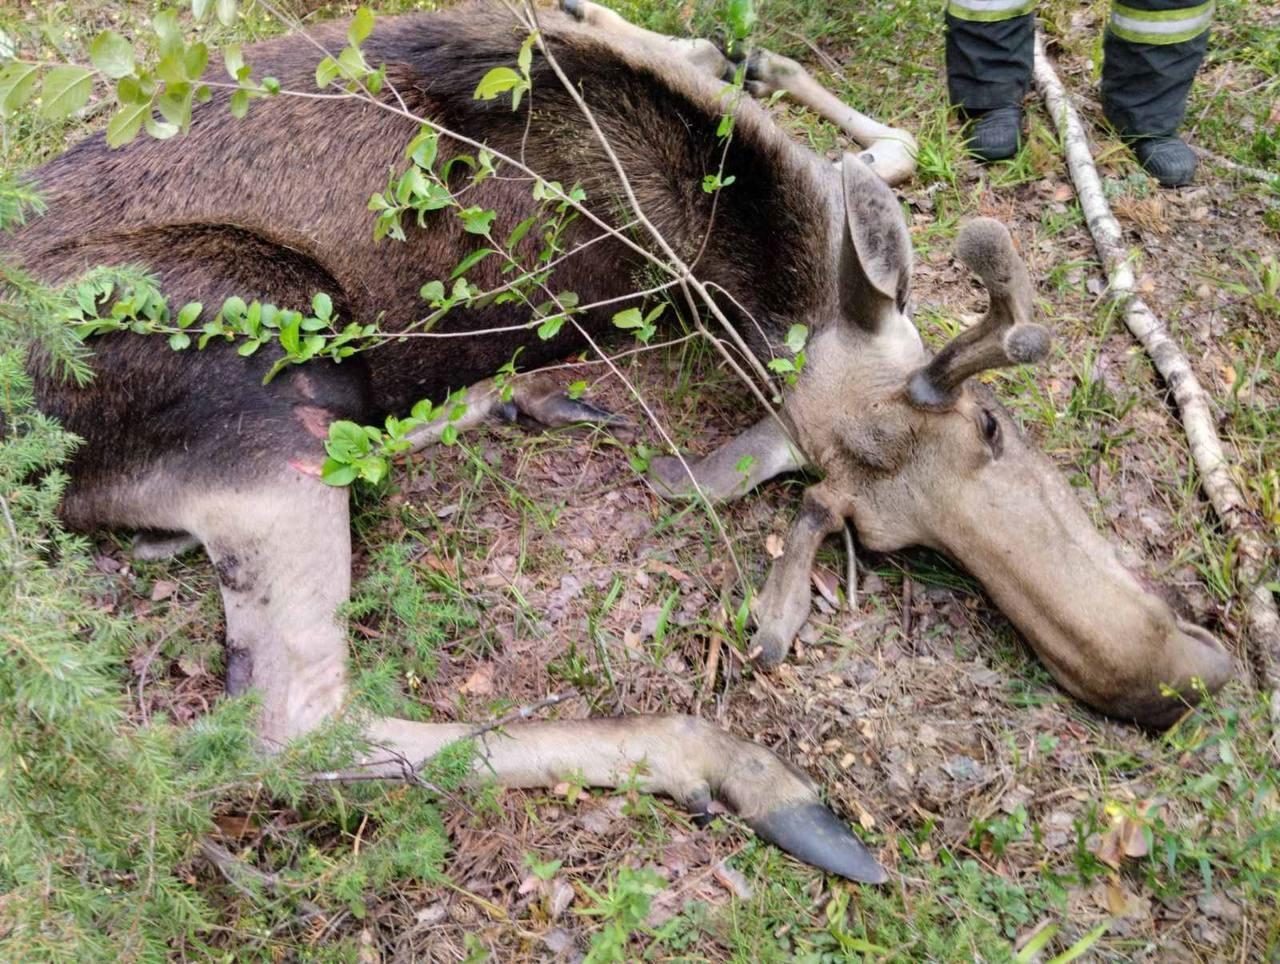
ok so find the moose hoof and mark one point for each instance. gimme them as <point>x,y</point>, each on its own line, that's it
<point>154,546</point>
<point>544,403</point>
<point>770,647</point>
<point>812,833</point>
<point>574,8</point>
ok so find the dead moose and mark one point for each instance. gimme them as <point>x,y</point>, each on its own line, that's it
<point>908,446</point>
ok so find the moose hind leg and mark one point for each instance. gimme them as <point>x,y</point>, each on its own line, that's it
<point>685,758</point>
<point>152,546</point>
<point>281,548</point>
<point>889,151</point>
<point>702,53</point>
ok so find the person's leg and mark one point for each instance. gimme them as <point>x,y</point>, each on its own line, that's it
<point>1151,53</point>
<point>989,55</point>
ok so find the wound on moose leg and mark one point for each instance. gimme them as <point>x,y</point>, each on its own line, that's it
<point>239,668</point>
<point>227,568</point>
<point>314,419</point>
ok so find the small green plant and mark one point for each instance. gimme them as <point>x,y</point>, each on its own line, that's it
<point>621,910</point>
<point>1262,287</point>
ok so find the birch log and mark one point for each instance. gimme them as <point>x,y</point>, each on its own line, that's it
<point>1193,402</point>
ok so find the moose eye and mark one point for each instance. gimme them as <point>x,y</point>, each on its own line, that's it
<point>991,431</point>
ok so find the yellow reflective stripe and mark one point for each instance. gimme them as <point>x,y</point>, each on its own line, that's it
<point>989,11</point>
<point>1153,16</point>
<point>1160,26</point>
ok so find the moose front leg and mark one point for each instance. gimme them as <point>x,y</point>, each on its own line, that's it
<point>783,605</point>
<point>685,758</point>
<point>731,471</point>
<point>537,397</point>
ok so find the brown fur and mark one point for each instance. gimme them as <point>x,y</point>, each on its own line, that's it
<point>273,207</point>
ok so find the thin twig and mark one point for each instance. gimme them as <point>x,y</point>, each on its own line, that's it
<point>712,667</point>
<point>13,529</point>
<point>522,713</point>
<point>908,592</point>
<point>673,259</point>
<point>1244,170</point>
<point>151,655</point>
<point>236,872</point>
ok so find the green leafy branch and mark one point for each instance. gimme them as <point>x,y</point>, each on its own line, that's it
<point>504,80</point>
<point>424,187</point>
<point>140,308</point>
<point>155,93</point>
<point>365,451</point>
<point>349,67</point>
<point>791,367</point>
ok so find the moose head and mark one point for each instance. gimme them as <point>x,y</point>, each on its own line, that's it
<point>916,452</point>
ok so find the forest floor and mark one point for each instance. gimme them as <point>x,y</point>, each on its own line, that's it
<point>527,564</point>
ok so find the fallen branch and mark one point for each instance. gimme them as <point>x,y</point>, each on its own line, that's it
<point>1235,167</point>
<point>1193,402</point>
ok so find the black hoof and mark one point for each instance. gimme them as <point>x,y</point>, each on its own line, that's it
<point>563,410</point>
<point>573,8</point>
<point>769,650</point>
<point>812,833</point>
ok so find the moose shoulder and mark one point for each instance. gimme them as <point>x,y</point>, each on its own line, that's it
<point>274,208</point>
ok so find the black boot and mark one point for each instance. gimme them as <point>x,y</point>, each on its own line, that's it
<point>1168,159</point>
<point>996,134</point>
<point>1146,80</point>
<point>988,72</point>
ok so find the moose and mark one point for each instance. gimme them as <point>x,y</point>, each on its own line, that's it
<point>185,447</point>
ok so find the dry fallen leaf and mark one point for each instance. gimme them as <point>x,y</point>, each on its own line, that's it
<point>163,589</point>
<point>561,898</point>
<point>234,825</point>
<point>1126,838</point>
<point>657,565</point>
<point>1133,838</point>
<point>773,545</point>
<point>1110,851</point>
<point>826,583</point>
<point>446,566</point>
<point>530,883</point>
<point>368,953</point>
<point>1116,899</point>
<point>479,683</point>
<point>733,881</point>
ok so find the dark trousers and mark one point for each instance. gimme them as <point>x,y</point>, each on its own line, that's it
<point>1144,84</point>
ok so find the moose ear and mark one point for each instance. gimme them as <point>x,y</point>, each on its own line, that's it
<point>875,258</point>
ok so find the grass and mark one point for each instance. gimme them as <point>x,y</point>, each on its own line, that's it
<point>998,802</point>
